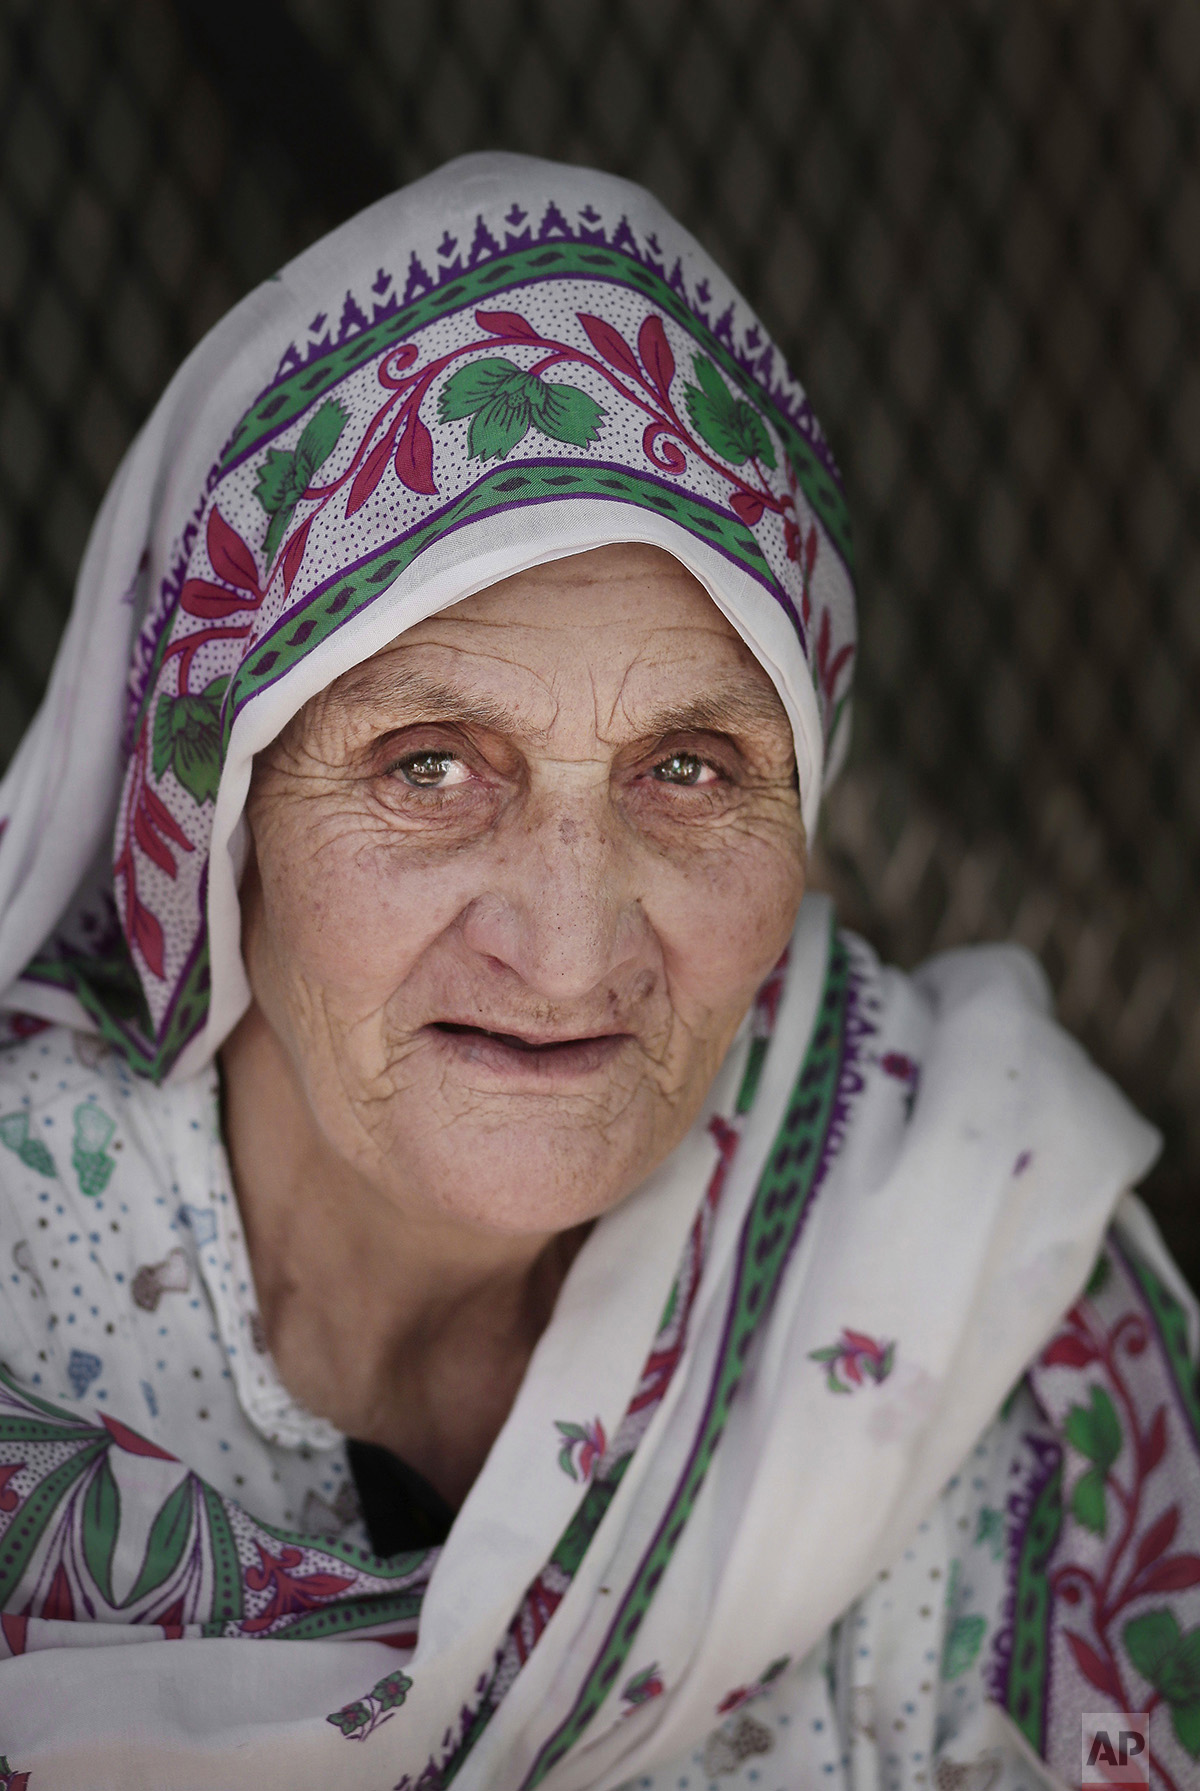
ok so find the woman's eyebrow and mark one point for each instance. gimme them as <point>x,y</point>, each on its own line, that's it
<point>728,706</point>
<point>399,688</point>
<point>724,709</point>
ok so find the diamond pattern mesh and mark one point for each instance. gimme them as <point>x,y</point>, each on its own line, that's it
<point>976,230</point>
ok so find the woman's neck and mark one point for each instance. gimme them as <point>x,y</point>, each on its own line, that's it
<point>399,1327</point>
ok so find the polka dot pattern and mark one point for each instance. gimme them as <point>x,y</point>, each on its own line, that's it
<point>132,1294</point>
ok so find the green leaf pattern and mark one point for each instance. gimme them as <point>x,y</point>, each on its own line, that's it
<point>504,403</point>
<point>14,1133</point>
<point>169,1536</point>
<point>1089,1594</point>
<point>361,1718</point>
<point>1170,1661</point>
<point>187,739</point>
<point>101,1526</point>
<point>89,1152</point>
<point>964,1632</point>
<point>202,1557</point>
<point>990,1531</point>
<point>1095,1430</point>
<point>964,1639</point>
<point>731,427</point>
<point>286,473</point>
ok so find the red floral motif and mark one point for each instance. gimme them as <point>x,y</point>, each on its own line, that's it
<point>766,1002</point>
<point>828,667</point>
<point>130,1441</point>
<point>746,1694</point>
<point>9,1499</point>
<point>900,1066</point>
<point>27,1026</point>
<point>148,822</point>
<point>232,560</point>
<point>803,549</point>
<point>650,372</point>
<point>582,1448</point>
<point>643,1687</point>
<point>905,1069</point>
<point>537,1607</point>
<point>396,435</point>
<point>58,1605</point>
<point>854,1360</point>
<point>548,1588</point>
<point>1113,1430</point>
<point>722,429</point>
<point>173,1620</point>
<point>361,1718</point>
<point>290,1592</point>
<point>668,1349</point>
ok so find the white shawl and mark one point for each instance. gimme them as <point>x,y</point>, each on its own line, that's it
<point>863,1262</point>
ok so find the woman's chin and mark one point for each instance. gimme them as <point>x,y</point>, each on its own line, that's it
<point>524,1154</point>
<point>518,1187</point>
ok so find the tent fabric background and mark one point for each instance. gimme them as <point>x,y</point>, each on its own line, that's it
<point>975,230</point>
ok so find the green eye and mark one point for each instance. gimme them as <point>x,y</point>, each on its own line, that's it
<point>680,768</point>
<point>425,769</point>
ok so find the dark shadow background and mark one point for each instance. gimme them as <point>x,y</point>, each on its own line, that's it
<point>976,230</point>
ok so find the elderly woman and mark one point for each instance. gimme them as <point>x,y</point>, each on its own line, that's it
<point>501,1289</point>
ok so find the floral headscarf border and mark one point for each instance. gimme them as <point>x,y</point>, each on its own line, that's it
<point>545,364</point>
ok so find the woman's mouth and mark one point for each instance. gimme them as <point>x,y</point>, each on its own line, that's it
<point>516,1054</point>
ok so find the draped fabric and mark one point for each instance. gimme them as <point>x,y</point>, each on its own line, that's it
<point>736,1463</point>
<point>757,1435</point>
<point>507,362</point>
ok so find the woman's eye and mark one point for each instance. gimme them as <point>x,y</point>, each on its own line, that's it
<point>431,770</point>
<point>684,768</point>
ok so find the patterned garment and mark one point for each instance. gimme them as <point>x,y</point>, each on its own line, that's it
<point>1059,1573</point>
<point>768,1365</point>
<point>504,363</point>
<point>1055,1573</point>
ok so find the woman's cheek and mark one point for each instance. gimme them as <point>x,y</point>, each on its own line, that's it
<point>350,917</point>
<point>727,914</point>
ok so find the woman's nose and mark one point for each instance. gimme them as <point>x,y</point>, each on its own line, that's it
<point>562,910</point>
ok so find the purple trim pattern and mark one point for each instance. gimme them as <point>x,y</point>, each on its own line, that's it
<point>745,339</point>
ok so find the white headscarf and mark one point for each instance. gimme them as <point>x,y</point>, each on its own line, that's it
<point>508,362</point>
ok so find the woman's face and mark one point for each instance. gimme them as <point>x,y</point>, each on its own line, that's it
<point>516,880</point>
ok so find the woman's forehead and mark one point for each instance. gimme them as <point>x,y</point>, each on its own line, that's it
<point>596,587</point>
<point>627,626</point>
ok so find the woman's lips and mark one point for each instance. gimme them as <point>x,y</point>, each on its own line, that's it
<point>512,1055</point>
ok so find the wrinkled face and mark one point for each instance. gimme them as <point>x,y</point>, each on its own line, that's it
<point>516,881</point>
